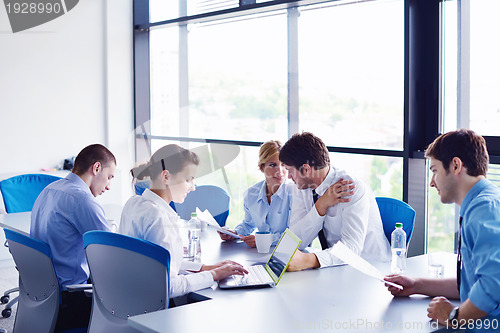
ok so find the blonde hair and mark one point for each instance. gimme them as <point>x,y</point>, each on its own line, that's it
<point>268,150</point>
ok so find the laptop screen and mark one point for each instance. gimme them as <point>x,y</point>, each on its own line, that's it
<point>282,254</point>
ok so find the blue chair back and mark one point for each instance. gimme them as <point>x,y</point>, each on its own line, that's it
<point>20,192</point>
<point>39,291</point>
<point>394,210</point>
<point>141,186</point>
<point>130,276</point>
<point>213,198</point>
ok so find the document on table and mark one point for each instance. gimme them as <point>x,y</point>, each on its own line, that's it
<point>349,257</point>
<point>206,217</point>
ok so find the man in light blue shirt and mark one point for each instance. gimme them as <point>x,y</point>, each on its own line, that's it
<point>480,250</point>
<point>62,213</point>
<point>459,162</point>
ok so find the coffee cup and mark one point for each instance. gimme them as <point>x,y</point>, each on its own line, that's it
<point>263,240</point>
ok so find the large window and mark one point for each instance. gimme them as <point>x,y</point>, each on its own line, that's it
<point>351,74</point>
<point>229,79</point>
<point>469,84</point>
<point>484,67</point>
<point>470,66</point>
<point>377,80</point>
<point>383,174</point>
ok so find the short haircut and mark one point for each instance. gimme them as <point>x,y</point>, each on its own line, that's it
<point>170,157</point>
<point>90,155</point>
<point>305,148</point>
<point>268,150</point>
<point>464,144</point>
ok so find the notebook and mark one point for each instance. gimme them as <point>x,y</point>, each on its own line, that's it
<point>270,273</point>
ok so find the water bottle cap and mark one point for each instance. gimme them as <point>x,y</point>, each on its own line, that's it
<point>399,225</point>
<point>194,215</point>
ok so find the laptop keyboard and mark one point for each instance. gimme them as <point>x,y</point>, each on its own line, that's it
<point>256,275</point>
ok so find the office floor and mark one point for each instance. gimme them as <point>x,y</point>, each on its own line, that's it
<point>8,279</point>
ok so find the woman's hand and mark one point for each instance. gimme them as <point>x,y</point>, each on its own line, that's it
<point>249,240</point>
<point>226,237</point>
<point>227,270</point>
<point>217,265</point>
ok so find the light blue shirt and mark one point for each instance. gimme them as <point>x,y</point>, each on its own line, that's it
<point>480,274</point>
<point>261,215</point>
<point>62,213</point>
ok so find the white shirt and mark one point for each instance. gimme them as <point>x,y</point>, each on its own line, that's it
<point>356,223</point>
<point>151,218</point>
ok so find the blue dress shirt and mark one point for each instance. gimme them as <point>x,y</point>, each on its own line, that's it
<point>62,213</point>
<point>261,215</point>
<point>480,274</point>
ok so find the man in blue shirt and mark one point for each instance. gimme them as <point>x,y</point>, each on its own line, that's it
<point>459,162</point>
<point>62,213</point>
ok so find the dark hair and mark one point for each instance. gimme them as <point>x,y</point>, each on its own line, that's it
<point>170,157</point>
<point>464,144</point>
<point>90,155</point>
<point>305,148</point>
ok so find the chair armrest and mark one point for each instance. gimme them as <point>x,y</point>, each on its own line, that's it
<point>78,287</point>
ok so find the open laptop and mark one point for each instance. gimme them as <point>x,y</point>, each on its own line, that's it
<point>270,273</point>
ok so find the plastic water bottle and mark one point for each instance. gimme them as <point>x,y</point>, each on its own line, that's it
<point>195,221</point>
<point>194,230</point>
<point>398,247</point>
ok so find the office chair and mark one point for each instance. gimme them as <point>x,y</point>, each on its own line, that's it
<point>129,276</point>
<point>39,290</point>
<point>19,194</point>
<point>210,197</point>
<point>392,211</point>
<point>141,186</point>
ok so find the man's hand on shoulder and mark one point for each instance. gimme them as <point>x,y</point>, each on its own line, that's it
<point>341,191</point>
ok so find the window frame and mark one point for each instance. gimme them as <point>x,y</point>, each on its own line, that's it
<point>422,91</point>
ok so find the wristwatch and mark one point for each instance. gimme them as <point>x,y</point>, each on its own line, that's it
<point>453,314</point>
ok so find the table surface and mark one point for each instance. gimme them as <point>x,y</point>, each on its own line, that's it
<point>19,222</point>
<point>334,298</point>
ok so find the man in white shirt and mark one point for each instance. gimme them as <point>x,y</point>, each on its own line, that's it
<point>330,204</point>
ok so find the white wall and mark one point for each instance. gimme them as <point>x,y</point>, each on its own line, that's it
<point>66,84</point>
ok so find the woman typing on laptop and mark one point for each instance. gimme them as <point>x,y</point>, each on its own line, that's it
<point>172,170</point>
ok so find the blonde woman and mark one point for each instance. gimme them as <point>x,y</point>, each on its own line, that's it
<point>149,216</point>
<point>267,204</point>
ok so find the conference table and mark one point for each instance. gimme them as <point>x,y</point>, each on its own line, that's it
<point>19,222</point>
<point>335,298</point>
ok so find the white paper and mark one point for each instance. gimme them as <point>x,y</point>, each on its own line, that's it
<point>349,257</point>
<point>206,217</point>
